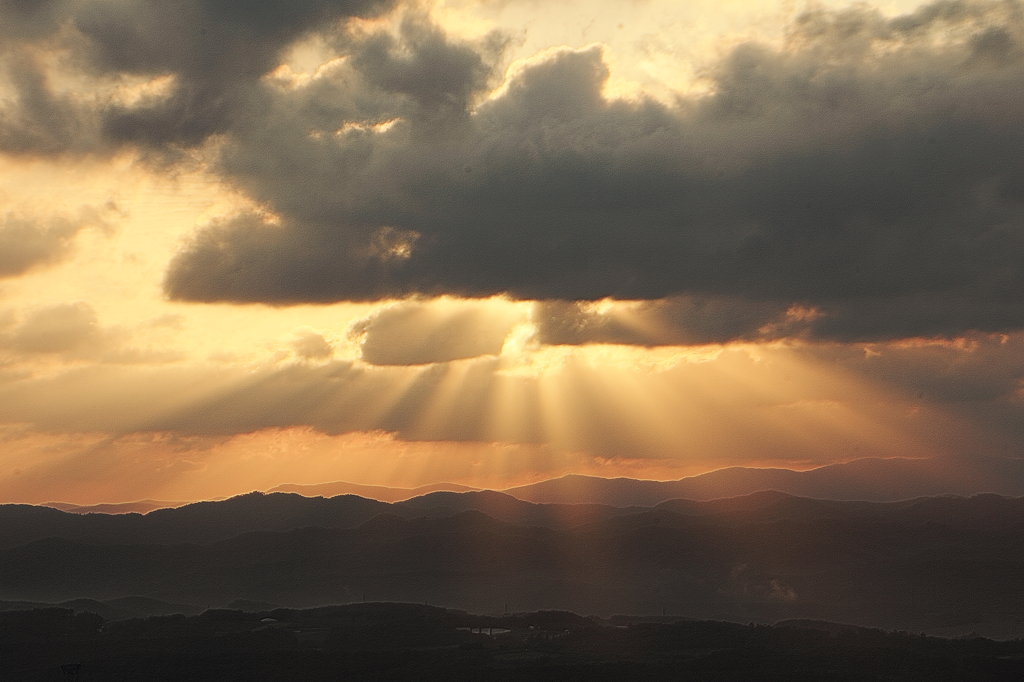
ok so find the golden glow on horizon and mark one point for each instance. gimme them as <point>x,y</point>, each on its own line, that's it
<point>662,424</point>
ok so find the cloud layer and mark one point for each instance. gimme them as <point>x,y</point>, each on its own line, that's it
<point>867,169</point>
<point>863,171</point>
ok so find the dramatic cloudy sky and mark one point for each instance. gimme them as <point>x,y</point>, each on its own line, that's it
<point>250,242</point>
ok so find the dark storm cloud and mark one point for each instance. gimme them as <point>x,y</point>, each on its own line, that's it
<point>867,171</point>
<point>695,320</point>
<point>438,78</point>
<point>30,19</point>
<point>38,121</point>
<point>689,320</point>
<point>216,50</point>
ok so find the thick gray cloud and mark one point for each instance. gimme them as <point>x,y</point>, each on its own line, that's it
<point>703,319</point>
<point>36,121</point>
<point>30,19</point>
<point>868,170</point>
<point>684,320</point>
<point>216,50</point>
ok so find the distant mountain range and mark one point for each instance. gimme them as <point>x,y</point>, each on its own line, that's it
<point>204,522</point>
<point>878,480</point>
<point>948,565</point>
<point>139,507</point>
<point>121,608</point>
<point>863,479</point>
<point>373,492</point>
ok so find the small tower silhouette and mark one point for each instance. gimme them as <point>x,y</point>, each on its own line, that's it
<point>70,671</point>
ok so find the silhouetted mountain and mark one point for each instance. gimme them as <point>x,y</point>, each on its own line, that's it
<point>372,492</point>
<point>509,509</point>
<point>947,564</point>
<point>200,522</point>
<point>139,507</point>
<point>121,608</point>
<point>864,479</point>
<point>204,522</point>
<point>979,512</point>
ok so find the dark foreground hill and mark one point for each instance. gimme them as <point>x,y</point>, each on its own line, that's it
<point>945,565</point>
<point>417,642</point>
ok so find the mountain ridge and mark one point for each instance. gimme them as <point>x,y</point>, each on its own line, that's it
<point>867,479</point>
<point>949,564</point>
<point>373,492</point>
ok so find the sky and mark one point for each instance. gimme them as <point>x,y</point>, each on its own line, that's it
<point>246,243</point>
